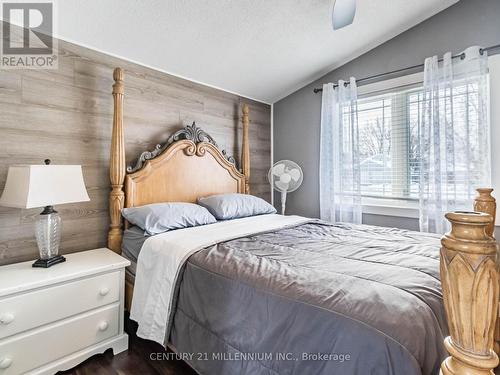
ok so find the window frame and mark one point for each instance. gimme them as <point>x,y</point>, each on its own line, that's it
<point>385,206</point>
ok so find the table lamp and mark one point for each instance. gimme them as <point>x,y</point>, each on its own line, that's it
<point>31,186</point>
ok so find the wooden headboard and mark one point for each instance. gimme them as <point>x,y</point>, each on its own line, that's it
<point>187,166</point>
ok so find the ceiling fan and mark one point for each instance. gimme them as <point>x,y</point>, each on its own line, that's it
<point>343,13</point>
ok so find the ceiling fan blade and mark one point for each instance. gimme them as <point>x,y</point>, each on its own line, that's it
<point>343,13</point>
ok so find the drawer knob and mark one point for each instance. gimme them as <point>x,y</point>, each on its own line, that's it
<point>6,318</point>
<point>104,291</point>
<point>5,363</point>
<point>103,326</point>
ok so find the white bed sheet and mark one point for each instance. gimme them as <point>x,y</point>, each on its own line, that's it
<point>162,257</point>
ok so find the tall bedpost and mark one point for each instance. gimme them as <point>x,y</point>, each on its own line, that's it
<point>484,202</point>
<point>245,153</point>
<point>469,278</point>
<point>117,165</point>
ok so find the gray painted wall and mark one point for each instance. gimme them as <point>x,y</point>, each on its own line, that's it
<point>297,117</point>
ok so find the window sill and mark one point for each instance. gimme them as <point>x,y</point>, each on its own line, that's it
<point>389,207</point>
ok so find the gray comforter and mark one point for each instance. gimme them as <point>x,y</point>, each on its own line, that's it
<point>313,299</point>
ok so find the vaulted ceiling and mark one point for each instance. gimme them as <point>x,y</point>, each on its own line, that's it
<point>261,49</point>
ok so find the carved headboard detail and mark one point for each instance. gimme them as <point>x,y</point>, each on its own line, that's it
<point>191,133</point>
<point>189,165</point>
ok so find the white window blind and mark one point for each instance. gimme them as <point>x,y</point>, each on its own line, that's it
<point>388,139</point>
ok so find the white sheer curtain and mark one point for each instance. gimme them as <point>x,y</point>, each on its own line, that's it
<point>340,182</point>
<point>454,136</point>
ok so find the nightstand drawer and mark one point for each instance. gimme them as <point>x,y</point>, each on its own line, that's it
<point>33,349</point>
<point>39,307</point>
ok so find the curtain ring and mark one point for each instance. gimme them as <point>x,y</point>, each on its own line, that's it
<point>462,56</point>
<point>345,84</point>
<point>481,51</point>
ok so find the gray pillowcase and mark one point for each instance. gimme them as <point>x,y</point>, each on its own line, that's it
<point>161,217</point>
<point>233,206</point>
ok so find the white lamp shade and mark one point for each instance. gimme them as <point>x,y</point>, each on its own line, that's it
<point>30,186</point>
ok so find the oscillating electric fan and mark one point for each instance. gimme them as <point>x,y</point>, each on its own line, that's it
<point>285,176</point>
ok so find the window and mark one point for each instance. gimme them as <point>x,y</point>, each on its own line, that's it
<point>388,135</point>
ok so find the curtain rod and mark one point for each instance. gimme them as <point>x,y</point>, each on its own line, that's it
<point>462,56</point>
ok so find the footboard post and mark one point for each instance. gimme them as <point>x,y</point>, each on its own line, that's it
<point>485,202</point>
<point>469,278</point>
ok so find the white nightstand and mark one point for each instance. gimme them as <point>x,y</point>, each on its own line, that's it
<point>53,319</point>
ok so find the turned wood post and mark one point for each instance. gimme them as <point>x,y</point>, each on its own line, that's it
<point>245,153</point>
<point>117,166</point>
<point>484,202</point>
<point>469,278</point>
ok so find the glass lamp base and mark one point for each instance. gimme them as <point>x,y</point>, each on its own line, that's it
<point>48,236</point>
<point>46,263</point>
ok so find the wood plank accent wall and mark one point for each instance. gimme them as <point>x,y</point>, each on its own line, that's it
<point>66,115</point>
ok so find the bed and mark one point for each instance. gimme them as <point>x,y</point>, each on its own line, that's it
<point>289,295</point>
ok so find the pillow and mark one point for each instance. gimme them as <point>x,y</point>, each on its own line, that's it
<point>233,206</point>
<point>161,217</point>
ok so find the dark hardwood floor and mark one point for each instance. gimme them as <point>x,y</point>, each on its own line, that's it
<point>136,360</point>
